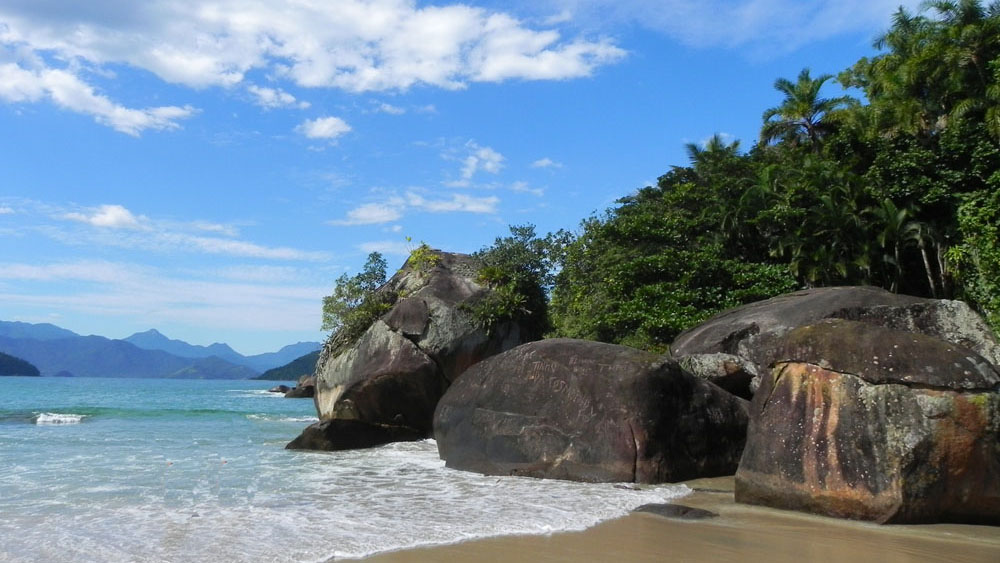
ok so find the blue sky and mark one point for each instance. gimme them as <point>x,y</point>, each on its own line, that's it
<point>210,167</point>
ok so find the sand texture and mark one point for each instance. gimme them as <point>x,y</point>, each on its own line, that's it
<point>740,533</point>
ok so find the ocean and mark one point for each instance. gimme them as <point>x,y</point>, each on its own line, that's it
<point>119,470</point>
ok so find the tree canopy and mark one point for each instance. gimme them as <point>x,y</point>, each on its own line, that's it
<point>900,190</point>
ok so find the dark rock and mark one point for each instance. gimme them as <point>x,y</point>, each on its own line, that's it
<point>859,421</point>
<point>280,389</point>
<point>677,511</point>
<point>337,434</point>
<point>752,332</point>
<point>306,389</point>
<point>732,373</point>
<point>396,371</point>
<point>588,411</point>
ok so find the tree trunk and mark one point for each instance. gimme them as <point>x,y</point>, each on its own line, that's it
<point>927,266</point>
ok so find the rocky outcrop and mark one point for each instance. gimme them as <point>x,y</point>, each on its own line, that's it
<point>743,341</point>
<point>279,389</point>
<point>334,435</point>
<point>732,373</point>
<point>588,411</point>
<point>395,372</point>
<point>305,389</point>
<point>860,421</point>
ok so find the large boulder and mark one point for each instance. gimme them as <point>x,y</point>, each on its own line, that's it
<point>740,344</point>
<point>393,374</point>
<point>864,422</point>
<point>588,411</point>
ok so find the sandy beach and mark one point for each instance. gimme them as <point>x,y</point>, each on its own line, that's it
<point>739,533</point>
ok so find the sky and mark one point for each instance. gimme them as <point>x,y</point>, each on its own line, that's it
<point>209,168</point>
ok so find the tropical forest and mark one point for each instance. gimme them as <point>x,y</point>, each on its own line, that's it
<point>896,185</point>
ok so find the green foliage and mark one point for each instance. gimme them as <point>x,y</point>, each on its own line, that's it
<point>355,303</point>
<point>423,259</point>
<point>977,259</point>
<point>902,192</point>
<point>659,262</point>
<point>517,270</point>
<point>800,119</point>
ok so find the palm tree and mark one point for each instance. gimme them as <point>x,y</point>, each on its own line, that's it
<point>801,115</point>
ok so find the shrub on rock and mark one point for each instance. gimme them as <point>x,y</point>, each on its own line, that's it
<point>391,372</point>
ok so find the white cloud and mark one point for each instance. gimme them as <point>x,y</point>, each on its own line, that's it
<point>352,45</point>
<point>230,247</point>
<point>478,159</point>
<point>119,227</point>
<point>108,216</point>
<point>68,91</point>
<point>458,202</point>
<point>391,109</point>
<point>264,300</point>
<point>370,214</point>
<point>323,128</point>
<point>4,210</point>
<point>272,98</point>
<point>546,163</point>
<point>395,207</point>
<point>760,25</point>
<point>523,187</point>
<point>227,230</point>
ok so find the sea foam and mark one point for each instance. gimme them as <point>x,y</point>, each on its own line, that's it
<point>57,418</point>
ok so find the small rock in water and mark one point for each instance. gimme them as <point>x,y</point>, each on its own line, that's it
<point>676,511</point>
<point>628,487</point>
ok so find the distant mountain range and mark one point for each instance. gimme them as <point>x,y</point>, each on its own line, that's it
<point>55,350</point>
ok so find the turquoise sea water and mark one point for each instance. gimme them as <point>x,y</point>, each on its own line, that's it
<point>165,470</point>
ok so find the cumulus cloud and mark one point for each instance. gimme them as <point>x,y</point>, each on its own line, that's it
<point>68,91</point>
<point>272,98</point>
<point>107,216</point>
<point>323,128</point>
<point>353,45</point>
<point>476,159</point>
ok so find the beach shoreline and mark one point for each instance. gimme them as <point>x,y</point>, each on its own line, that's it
<point>739,533</point>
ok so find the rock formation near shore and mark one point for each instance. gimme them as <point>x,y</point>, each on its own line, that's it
<point>865,422</point>
<point>392,376</point>
<point>588,411</point>
<point>734,348</point>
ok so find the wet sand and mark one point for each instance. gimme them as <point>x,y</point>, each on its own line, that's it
<point>740,533</point>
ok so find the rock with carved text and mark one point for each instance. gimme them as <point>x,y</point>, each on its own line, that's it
<point>588,411</point>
